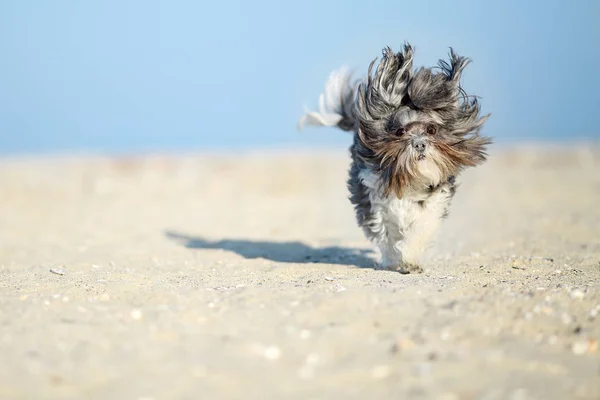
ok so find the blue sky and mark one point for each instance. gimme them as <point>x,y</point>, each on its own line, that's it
<point>114,76</point>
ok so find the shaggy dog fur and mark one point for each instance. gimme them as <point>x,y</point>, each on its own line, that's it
<point>414,131</point>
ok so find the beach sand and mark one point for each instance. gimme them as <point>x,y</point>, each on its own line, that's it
<point>245,276</point>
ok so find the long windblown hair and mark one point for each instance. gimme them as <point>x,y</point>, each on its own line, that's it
<point>396,97</point>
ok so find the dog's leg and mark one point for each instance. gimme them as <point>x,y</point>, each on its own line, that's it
<point>383,233</point>
<point>421,232</point>
<point>369,215</point>
<point>395,255</point>
<point>373,217</point>
<point>377,229</point>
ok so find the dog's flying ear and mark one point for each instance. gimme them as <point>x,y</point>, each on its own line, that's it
<point>394,71</point>
<point>454,69</point>
<point>389,80</point>
<point>385,86</point>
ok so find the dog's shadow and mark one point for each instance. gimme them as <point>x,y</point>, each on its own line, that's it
<point>284,252</point>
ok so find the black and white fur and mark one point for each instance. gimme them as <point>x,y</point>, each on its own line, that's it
<point>414,131</point>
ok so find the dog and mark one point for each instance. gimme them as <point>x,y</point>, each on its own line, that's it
<point>414,131</point>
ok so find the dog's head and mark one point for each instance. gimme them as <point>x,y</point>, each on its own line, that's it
<point>417,127</point>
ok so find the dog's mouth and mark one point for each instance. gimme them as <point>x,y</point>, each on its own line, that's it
<point>421,157</point>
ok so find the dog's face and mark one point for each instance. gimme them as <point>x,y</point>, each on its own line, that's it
<point>417,128</point>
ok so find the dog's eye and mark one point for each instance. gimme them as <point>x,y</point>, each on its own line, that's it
<point>431,130</point>
<point>400,131</point>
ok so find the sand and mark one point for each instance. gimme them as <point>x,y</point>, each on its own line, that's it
<point>245,276</point>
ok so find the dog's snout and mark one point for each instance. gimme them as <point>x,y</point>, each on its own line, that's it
<point>420,145</point>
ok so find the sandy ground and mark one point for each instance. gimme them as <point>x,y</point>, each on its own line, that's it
<point>245,277</point>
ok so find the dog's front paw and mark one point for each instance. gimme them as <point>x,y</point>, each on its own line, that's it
<point>408,268</point>
<point>404,268</point>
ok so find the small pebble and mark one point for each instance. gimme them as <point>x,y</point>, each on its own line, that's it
<point>566,319</point>
<point>136,314</point>
<point>402,344</point>
<point>592,345</point>
<point>272,353</point>
<point>422,369</point>
<point>516,264</point>
<point>381,372</point>
<point>304,334</point>
<point>57,271</point>
<point>328,278</point>
<point>580,347</point>
<point>339,288</point>
<point>577,294</point>
<point>547,310</point>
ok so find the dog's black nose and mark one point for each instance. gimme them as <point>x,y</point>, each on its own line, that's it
<point>420,146</point>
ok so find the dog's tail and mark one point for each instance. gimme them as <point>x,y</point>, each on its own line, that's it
<point>336,103</point>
